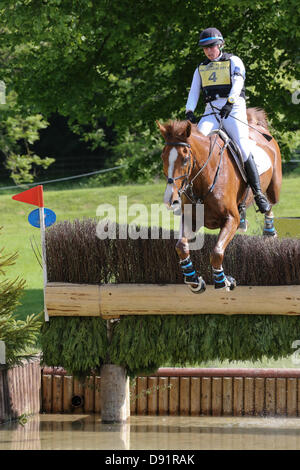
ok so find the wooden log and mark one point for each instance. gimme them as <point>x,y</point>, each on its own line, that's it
<point>78,392</point>
<point>66,299</point>
<point>298,397</point>
<point>227,396</point>
<point>206,396</point>
<point>67,393</point>
<point>152,396</point>
<point>248,396</point>
<point>174,396</point>
<point>216,396</point>
<point>163,396</point>
<point>47,393</point>
<point>195,396</point>
<point>89,394</point>
<point>97,394</point>
<point>133,397</point>
<point>57,394</point>
<point>115,300</point>
<point>259,396</point>
<point>281,397</point>
<point>142,395</point>
<point>184,396</point>
<point>270,396</point>
<point>292,397</point>
<point>238,386</point>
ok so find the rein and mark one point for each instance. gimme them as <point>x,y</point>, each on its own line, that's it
<point>187,190</point>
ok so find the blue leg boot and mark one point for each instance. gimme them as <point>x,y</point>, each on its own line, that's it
<point>195,282</point>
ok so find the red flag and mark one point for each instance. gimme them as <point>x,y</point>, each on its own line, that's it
<point>32,196</point>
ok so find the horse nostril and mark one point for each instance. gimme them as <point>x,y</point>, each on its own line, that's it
<point>170,181</point>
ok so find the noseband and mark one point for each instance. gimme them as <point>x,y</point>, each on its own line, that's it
<point>184,144</point>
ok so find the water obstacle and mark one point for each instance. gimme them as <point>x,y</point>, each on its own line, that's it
<point>160,321</point>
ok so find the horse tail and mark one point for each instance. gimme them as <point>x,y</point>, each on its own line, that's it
<point>258,116</point>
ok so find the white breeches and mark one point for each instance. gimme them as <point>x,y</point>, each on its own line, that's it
<point>237,131</point>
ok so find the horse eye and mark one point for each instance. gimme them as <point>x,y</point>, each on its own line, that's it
<point>185,160</point>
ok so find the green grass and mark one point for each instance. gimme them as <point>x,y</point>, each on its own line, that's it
<point>81,202</point>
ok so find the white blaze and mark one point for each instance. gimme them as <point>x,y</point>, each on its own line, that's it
<point>172,159</point>
<point>169,189</point>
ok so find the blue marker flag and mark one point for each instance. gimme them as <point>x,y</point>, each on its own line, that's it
<point>34,217</point>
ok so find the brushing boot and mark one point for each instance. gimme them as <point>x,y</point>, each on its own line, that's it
<point>253,179</point>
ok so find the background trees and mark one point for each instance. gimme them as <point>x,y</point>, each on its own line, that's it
<point>132,62</point>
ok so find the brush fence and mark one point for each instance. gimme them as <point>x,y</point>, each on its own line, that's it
<point>115,300</point>
<point>184,392</point>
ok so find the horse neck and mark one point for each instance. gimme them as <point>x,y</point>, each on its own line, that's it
<point>205,164</point>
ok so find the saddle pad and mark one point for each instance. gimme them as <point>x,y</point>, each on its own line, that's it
<point>261,158</point>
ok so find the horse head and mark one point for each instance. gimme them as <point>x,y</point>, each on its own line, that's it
<point>177,160</point>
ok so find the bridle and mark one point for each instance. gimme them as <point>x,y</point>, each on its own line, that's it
<point>186,187</point>
<point>185,183</point>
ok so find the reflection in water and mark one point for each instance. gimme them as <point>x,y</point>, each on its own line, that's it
<point>87,432</point>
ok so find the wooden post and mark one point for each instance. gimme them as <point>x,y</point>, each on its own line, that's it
<point>114,394</point>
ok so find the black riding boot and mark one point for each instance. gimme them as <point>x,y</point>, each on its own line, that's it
<point>253,179</point>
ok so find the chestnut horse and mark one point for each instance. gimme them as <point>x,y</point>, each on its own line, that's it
<point>198,170</point>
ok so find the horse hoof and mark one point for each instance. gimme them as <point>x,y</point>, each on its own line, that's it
<point>200,288</point>
<point>270,233</point>
<point>229,283</point>
<point>243,227</point>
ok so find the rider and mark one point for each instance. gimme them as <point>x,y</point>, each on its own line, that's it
<point>221,79</point>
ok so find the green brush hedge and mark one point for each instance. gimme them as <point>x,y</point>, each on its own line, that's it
<point>142,344</point>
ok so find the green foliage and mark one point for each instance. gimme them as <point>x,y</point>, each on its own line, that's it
<point>77,344</point>
<point>19,336</point>
<point>18,131</point>
<point>132,62</point>
<point>144,343</point>
<point>79,59</point>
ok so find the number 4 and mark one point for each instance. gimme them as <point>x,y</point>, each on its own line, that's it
<point>213,77</point>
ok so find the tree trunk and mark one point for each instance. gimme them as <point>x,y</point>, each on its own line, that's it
<point>114,390</point>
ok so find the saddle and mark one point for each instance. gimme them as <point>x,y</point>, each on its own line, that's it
<point>233,148</point>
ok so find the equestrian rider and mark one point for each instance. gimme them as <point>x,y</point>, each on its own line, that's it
<point>221,79</point>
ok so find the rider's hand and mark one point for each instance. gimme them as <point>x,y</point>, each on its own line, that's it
<point>226,110</point>
<point>190,116</point>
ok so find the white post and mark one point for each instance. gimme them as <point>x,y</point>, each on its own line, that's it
<point>42,229</point>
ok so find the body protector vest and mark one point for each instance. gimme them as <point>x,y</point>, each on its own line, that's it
<point>216,78</point>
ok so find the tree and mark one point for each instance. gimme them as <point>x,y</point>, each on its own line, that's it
<point>18,132</point>
<point>19,336</point>
<point>132,62</point>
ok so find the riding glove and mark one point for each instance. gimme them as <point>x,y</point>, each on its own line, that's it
<point>226,110</point>
<point>190,116</point>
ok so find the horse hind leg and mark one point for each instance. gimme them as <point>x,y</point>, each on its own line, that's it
<point>269,227</point>
<point>273,193</point>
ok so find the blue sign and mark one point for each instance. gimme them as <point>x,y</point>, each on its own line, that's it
<point>34,217</point>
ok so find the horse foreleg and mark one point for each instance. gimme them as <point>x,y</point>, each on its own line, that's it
<point>225,236</point>
<point>191,278</point>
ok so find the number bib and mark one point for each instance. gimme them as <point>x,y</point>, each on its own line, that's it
<point>215,73</point>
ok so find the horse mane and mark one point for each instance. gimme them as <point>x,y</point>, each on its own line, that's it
<point>175,129</point>
<point>257,116</point>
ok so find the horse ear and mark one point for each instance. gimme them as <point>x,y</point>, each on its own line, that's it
<point>162,129</point>
<point>188,129</point>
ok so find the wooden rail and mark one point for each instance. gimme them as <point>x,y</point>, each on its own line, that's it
<point>115,300</point>
<point>185,392</point>
<point>20,390</point>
